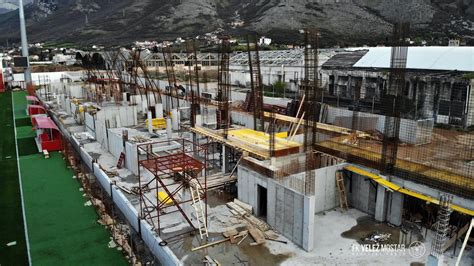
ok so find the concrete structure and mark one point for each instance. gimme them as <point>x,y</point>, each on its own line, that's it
<point>275,187</point>
<point>280,65</point>
<point>181,61</point>
<point>438,81</point>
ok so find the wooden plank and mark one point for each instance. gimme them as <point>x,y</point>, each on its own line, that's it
<point>243,205</point>
<point>236,208</point>
<point>230,233</point>
<point>257,235</point>
<point>210,244</point>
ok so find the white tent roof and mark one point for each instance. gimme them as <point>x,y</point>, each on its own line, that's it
<point>428,58</point>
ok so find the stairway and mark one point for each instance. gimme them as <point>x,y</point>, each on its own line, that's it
<point>196,193</point>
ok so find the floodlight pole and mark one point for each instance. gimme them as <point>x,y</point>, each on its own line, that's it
<point>24,48</point>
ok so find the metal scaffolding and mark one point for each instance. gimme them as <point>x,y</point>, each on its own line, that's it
<point>178,167</point>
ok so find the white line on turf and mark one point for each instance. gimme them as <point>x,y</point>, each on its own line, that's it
<point>21,186</point>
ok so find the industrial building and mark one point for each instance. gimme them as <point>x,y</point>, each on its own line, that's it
<point>437,81</point>
<point>376,144</point>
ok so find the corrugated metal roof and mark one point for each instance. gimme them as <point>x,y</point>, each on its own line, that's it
<point>344,59</point>
<point>427,58</point>
<point>44,122</point>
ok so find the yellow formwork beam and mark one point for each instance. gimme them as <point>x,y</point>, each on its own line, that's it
<point>405,191</point>
<point>322,126</point>
<point>260,139</point>
<point>227,142</point>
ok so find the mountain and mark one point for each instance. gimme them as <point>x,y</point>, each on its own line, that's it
<point>345,22</point>
<point>10,5</point>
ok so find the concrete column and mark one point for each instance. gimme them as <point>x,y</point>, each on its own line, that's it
<point>381,204</point>
<point>198,120</point>
<point>308,223</point>
<point>144,106</point>
<point>124,98</point>
<point>349,87</point>
<point>396,208</point>
<point>169,131</point>
<point>159,110</point>
<point>175,119</point>
<point>470,104</point>
<point>225,159</point>
<point>150,122</point>
<point>363,85</point>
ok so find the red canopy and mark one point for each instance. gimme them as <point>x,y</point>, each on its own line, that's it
<point>32,98</point>
<point>44,122</point>
<point>36,106</point>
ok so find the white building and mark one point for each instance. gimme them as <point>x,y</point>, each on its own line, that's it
<point>279,65</point>
<point>264,41</point>
<point>64,59</point>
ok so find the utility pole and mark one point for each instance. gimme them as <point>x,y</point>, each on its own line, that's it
<point>24,48</point>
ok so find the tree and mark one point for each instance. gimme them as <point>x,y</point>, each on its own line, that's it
<point>279,87</point>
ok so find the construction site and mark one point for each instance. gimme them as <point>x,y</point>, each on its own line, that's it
<point>360,163</point>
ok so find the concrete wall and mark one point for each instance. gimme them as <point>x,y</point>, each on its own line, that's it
<point>326,195</point>
<point>115,143</point>
<point>90,124</point>
<point>52,76</point>
<point>151,239</point>
<point>131,157</point>
<point>360,193</point>
<point>101,134</point>
<point>289,212</point>
<point>411,131</point>
<point>240,74</point>
<point>118,116</point>
<point>470,105</point>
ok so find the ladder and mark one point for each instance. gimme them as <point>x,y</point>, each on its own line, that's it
<point>196,192</point>
<point>121,160</point>
<point>342,190</point>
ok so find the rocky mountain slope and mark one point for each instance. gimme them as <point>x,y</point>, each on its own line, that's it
<point>346,22</point>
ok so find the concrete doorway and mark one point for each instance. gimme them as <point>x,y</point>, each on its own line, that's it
<point>262,201</point>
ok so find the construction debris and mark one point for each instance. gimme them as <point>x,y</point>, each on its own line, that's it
<point>139,139</point>
<point>210,261</point>
<point>377,237</point>
<point>13,243</point>
<point>109,172</point>
<point>210,244</point>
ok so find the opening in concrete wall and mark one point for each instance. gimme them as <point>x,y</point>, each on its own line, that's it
<point>262,202</point>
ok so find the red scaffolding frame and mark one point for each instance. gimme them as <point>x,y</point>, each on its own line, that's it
<point>181,164</point>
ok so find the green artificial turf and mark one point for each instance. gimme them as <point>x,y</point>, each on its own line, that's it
<point>19,98</point>
<point>27,146</point>
<point>11,217</point>
<point>24,130</point>
<point>62,231</point>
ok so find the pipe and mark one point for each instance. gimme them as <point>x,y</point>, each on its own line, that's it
<point>24,44</point>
